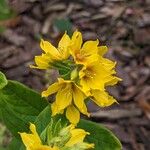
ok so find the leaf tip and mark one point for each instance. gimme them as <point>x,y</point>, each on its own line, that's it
<point>3,80</point>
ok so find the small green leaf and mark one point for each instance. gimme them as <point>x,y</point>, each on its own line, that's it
<point>5,11</point>
<point>64,25</point>
<point>3,80</point>
<point>103,138</point>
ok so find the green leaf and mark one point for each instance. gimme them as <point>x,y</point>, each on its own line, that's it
<point>15,144</point>
<point>103,138</point>
<point>43,119</point>
<point>19,105</point>
<point>2,148</point>
<point>3,80</point>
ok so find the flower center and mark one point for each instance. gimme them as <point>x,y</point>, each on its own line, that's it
<point>80,57</point>
<point>89,73</point>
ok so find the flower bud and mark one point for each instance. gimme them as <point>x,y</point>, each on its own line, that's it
<point>74,74</point>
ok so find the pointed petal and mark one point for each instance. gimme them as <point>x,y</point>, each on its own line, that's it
<point>43,61</point>
<point>63,46</point>
<point>102,50</point>
<point>78,97</point>
<point>49,48</point>
<point>54,109</point>
<point>51,89</point>
<point>112,80</point>
<point>102,98</point>
<point>30,140</point>
<point>65,41</point>
<point>76,42</point>
<point>84,111</point>
<point>108,64</point>
<point>90,47</point>
<point>72,114</point>
<point>78,136</point>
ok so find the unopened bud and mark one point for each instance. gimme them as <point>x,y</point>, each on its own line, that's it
<point>74,74</point>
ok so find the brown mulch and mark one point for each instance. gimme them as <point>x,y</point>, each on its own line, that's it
<point>122,25</point>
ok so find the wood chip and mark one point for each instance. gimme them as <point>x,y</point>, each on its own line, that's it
<point>55,7</point>
<point>14,38</point>
<point>117,113</point>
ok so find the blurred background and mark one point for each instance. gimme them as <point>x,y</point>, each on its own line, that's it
<point>122,25</point>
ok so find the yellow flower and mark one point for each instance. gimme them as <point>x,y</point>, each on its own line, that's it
<point>70,97</point>
<point>51,53</point>
<point>83,54</point>
<point>33,142</point>
<point>96,76</point>
<point>77,137</point>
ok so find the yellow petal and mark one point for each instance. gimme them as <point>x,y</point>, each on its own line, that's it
<point>49,48</point>
<point>63,46</point>
<point>102,98</point>
<point>54,109</point>
<point>30,140</point>
<point>65,41</point>
<point>78,97</point>
<point>90,47</point>
<point>84,111</point>
<point>96,83</point>
<point>61,81</point>
<point>85,60</point>
<point>51,89</point>
<point>72,114</point>
<point>108,64</point>
<point>64,97</point>
<point>43,61</point>
<point>85,86</point>
<point>112,81</point>
<point>90,59</point>
<point>76,42</point>
<point>102,50</point>
<point>77,136</point>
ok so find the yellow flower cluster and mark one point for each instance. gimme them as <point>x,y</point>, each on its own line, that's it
<point>86,75</point>
<point>32,140</point>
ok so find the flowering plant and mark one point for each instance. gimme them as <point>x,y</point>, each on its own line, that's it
<point>83,75</point>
